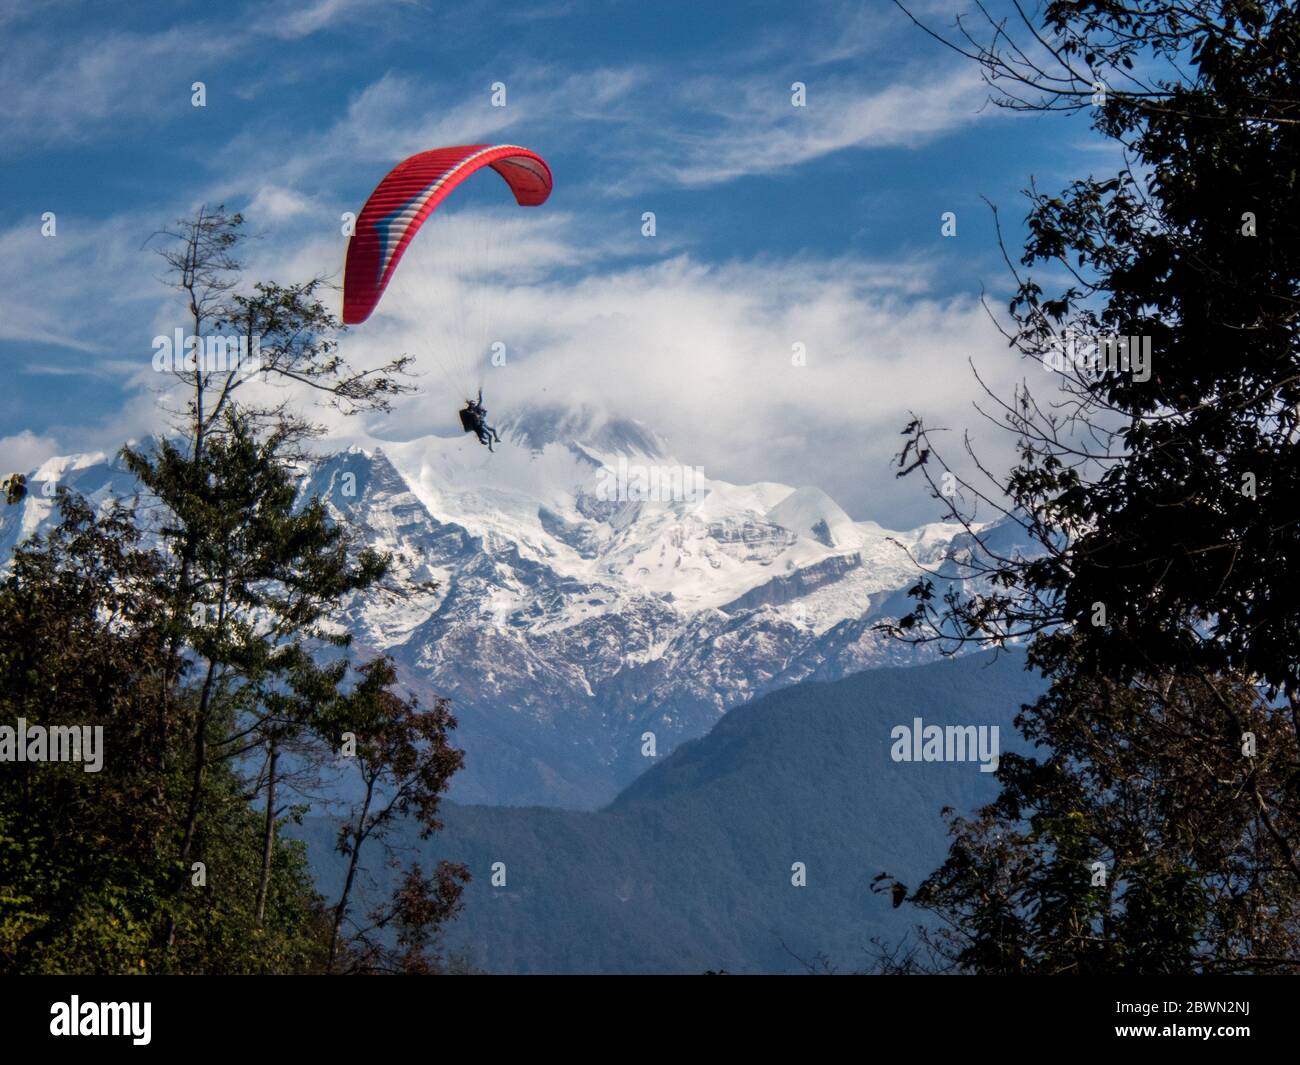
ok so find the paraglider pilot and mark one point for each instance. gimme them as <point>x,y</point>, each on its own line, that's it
<point>473,418</point>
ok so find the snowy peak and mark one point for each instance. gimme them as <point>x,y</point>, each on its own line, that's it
<point>811,512</point>
<point>565,620</point>
<point>584,427</point>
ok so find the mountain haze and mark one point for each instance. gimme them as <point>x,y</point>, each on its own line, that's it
<point>689,868</point>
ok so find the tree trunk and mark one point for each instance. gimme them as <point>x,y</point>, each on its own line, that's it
<point>268,833</point>
<point>196,792</point>
<point>340,911</point>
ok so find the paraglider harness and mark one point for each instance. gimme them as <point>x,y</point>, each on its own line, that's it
<point>472,418</point>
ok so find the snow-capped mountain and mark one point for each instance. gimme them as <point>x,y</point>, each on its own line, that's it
<point>587,590</point>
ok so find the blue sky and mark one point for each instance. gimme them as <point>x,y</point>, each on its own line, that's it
<point>776,225</point>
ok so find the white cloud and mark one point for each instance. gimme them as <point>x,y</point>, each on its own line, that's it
<point>273,203</point>
<point>68,88</point>
<point>637,126</point>
<point>60,290</point>
<point>699,352</point>
<point>302,20</point>
<point>753,128</point>
<point>703,355</point>
<point>25,451</point>
<point>397,115</point>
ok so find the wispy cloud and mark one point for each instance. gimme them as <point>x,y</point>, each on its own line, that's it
<point>63,83</point>
<point>292,21</point>
<point>69,89</point>
<point>397,115</point>
<point>753,128</point>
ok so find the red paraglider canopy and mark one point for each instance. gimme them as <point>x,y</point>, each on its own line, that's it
<point>408,195</point>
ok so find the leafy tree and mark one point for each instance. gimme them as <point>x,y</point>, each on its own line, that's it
<point>1160,496</point>
<point>215,656</point>
<point>85,857</point>
<point>262,574</point>
<point>1144,842</point>
<point>290,338</point>
<point>404,763</point>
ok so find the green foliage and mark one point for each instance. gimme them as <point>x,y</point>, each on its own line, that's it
<point>87,859</point>
<point>200,657</point>
<point>197,658</point>
<point>1146,842</point>
<point>1161,600</point>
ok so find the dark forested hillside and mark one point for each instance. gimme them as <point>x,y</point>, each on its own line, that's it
<point>690,868</point>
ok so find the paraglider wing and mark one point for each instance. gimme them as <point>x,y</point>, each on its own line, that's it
<point>407,196</point>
